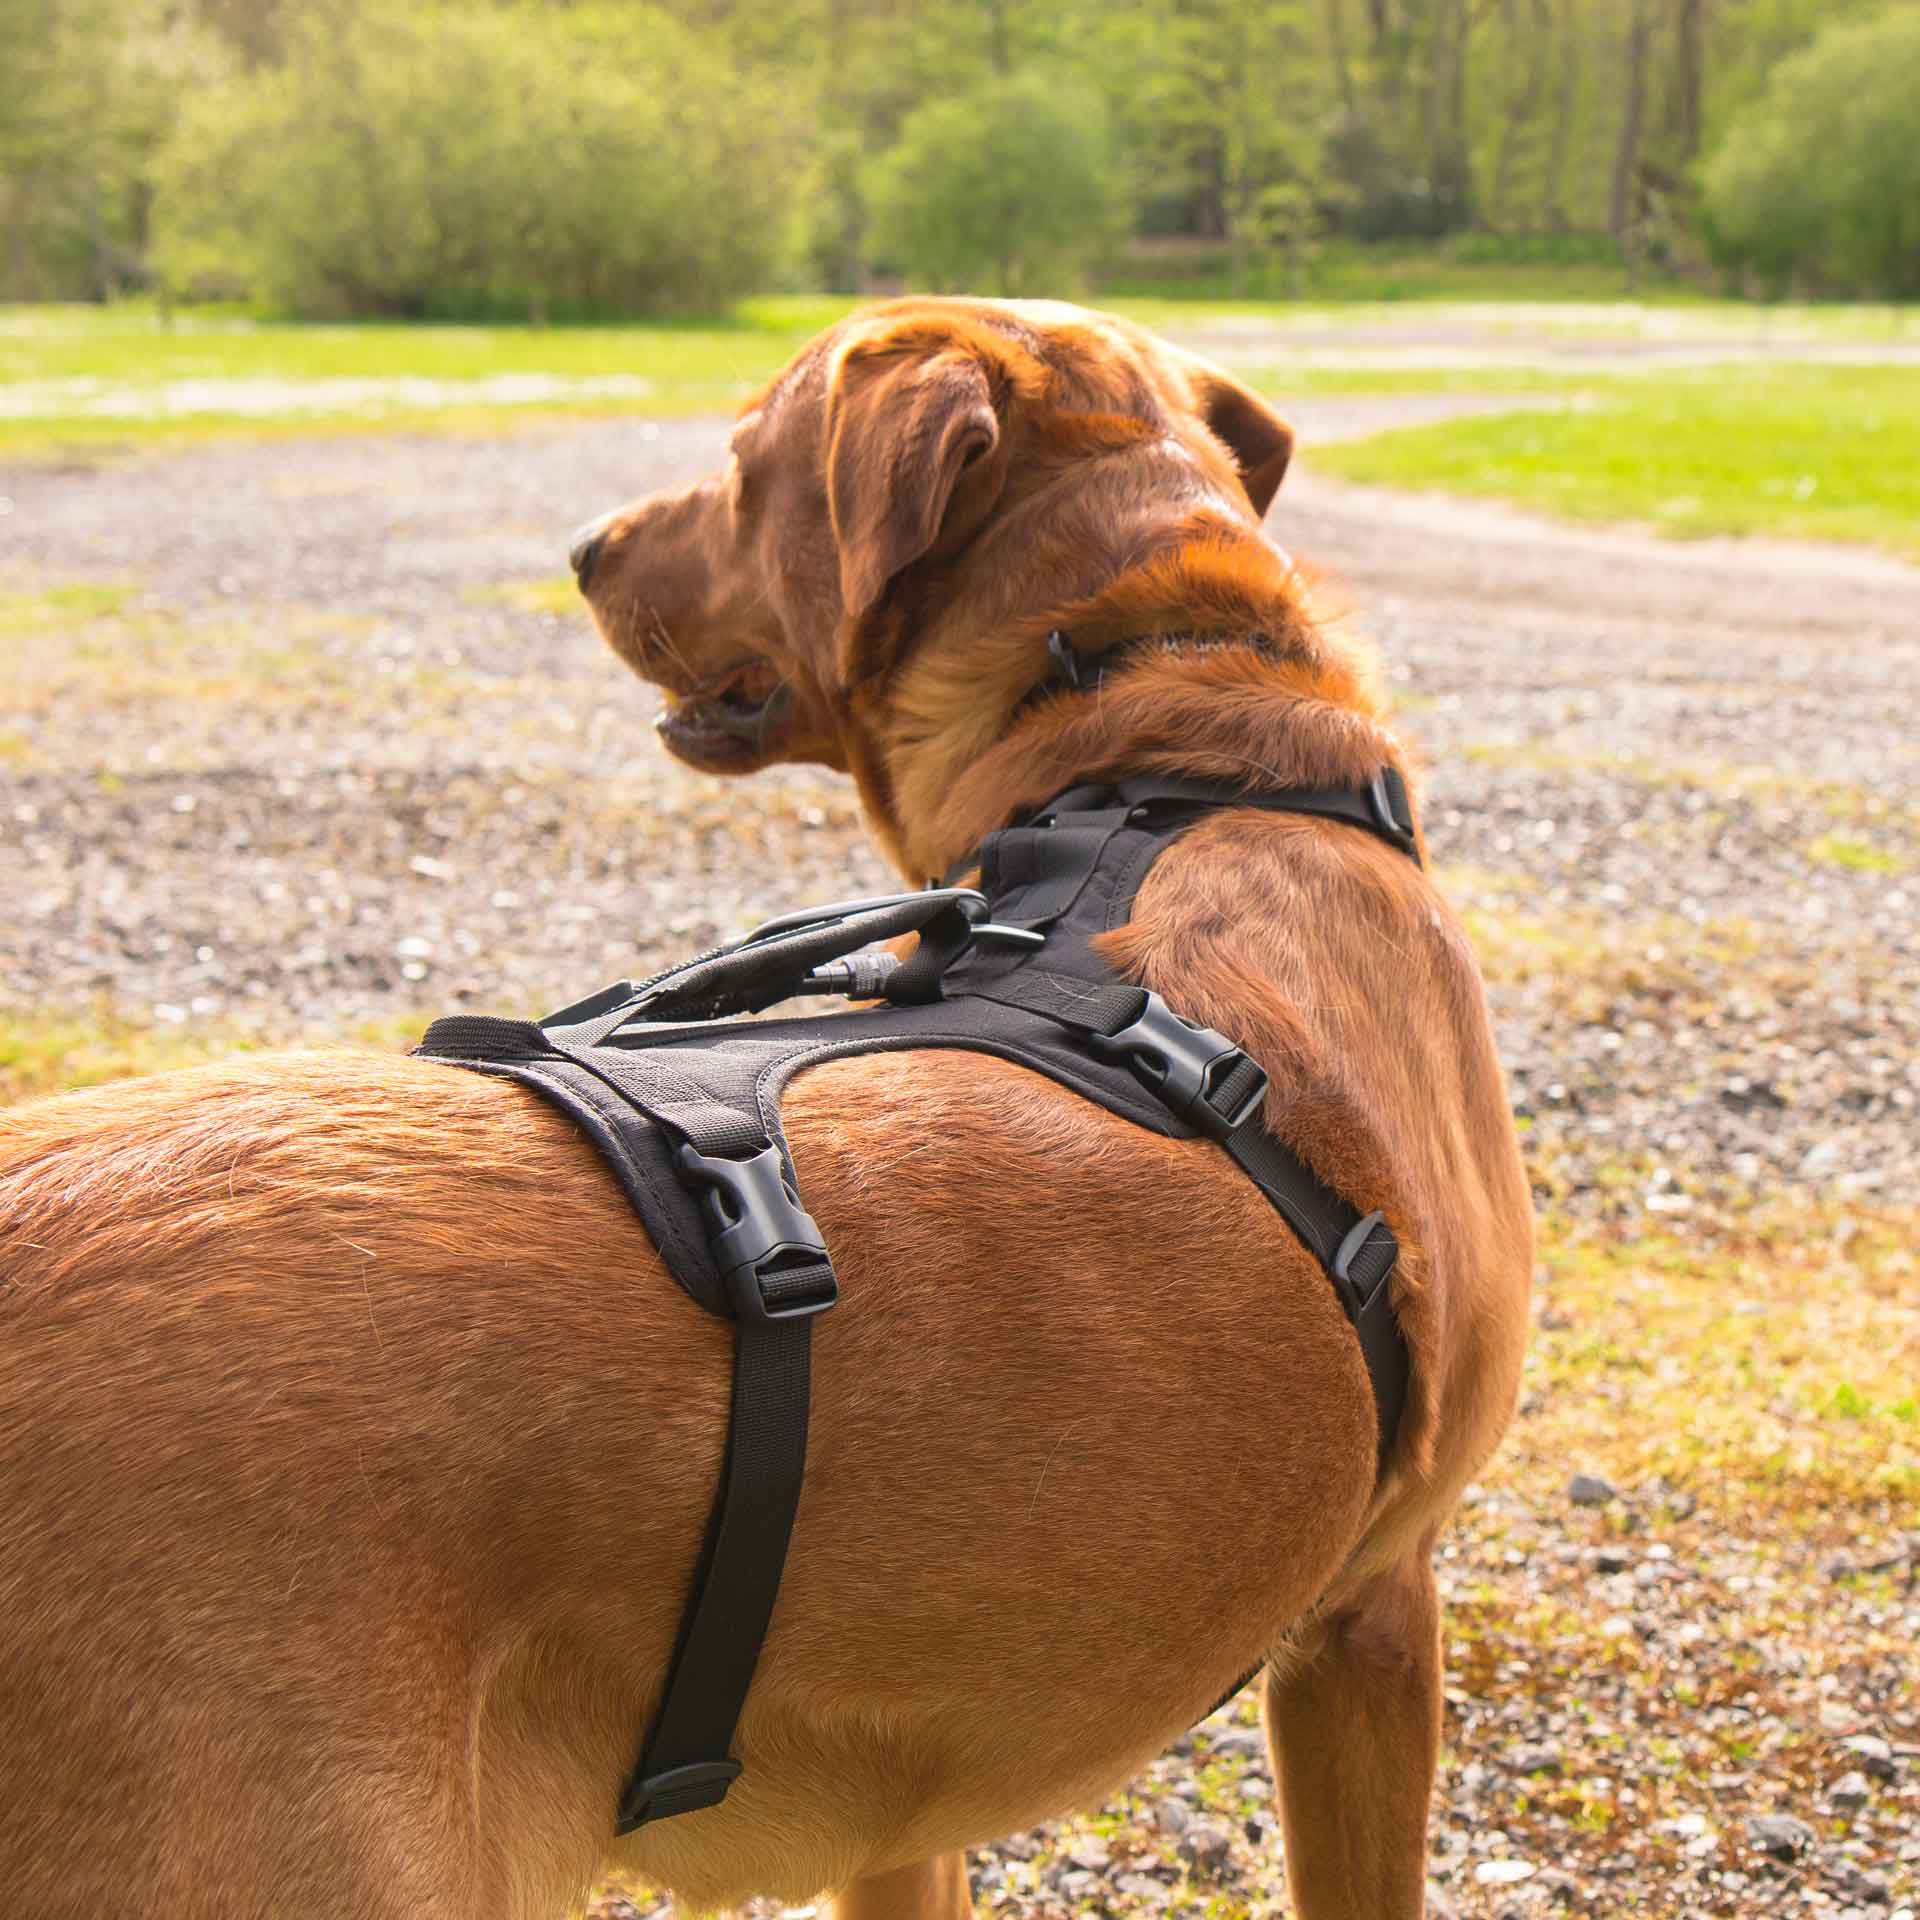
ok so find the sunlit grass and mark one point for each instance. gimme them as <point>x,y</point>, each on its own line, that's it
<point>96,380</point>
<point>46,1051</point>
<point>91,648</point>
<point>559,594</point>
<point>48,609</point>
<point>1805,451</point>
<point>1769,1369</point>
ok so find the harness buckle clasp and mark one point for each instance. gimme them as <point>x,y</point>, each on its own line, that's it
<point>1200,1074</point>
<point>764,1242</point>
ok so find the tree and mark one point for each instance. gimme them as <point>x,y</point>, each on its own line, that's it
<point>90,88</point>
<point>413,159</point>
<point>1818,180</point>
<point>1010,187</point>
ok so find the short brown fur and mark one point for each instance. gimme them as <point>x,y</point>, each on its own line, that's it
<point>357,1445</point>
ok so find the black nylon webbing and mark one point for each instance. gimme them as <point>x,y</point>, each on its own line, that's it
<point>687,1754</point>
<point>1088,1006</point>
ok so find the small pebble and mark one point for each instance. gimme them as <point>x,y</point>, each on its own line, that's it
<point>1504,1873</point>
<point>1850,1792</point>
<point>1206,1846</point>
<point>1780,1837</point>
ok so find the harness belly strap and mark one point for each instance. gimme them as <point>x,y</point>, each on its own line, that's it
<point>685,1109</point>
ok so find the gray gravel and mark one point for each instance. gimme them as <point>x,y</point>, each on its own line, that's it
<point>318,772</point>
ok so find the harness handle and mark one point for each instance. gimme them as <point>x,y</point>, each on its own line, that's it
<point>775,961</point>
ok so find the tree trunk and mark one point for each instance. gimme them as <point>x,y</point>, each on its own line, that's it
<point>1523,109</point>
<point>1554,198</point>
<point>1689,75</point>
<point>1626,153</point>
<point>1342,62</point>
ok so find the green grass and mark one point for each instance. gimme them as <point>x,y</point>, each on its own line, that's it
<point>50,1051</point>
<point>136,346</point>
<point>558,593</point>
<point>1798,450</point>
<point>1837,850</point>
<point>78,356</point>
<point>74,603</point>
<point>65,364</point>
<point>1804,451</point>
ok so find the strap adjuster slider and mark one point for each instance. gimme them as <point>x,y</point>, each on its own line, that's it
<point>1362,1263</point>
<point>764,1242</point>
<point>658,1796</point>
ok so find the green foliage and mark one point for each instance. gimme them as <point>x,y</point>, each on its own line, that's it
<point>1818,180</point>
<point>1010,186</point>
<point>410,160</point>
<point>480,157</point>
<point>88,89</point>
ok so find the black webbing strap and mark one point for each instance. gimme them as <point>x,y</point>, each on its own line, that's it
<point>1079,825</point>
<point>1218,1089</point>
<point>686,1762</point>
<point>1382,807</point>
<point>777,1275</point>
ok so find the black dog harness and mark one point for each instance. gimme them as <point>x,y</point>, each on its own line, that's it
<point>683,1102</point>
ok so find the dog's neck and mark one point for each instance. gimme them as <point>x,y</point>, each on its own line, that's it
<point>1258,695</point>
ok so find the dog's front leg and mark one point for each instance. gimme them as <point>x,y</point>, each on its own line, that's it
<point>930,1890</point>
<point>1353,1721</point>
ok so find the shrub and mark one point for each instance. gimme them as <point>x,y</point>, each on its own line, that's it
<point>1010,187</point>
<point>413,159</point>
<point>87,90</point>
<point>1818,180</point>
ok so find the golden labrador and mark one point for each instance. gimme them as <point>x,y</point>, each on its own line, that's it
<point>356,1446</point>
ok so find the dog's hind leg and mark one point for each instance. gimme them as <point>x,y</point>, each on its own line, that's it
<point>929,1890</point>
<point>1353,1720</point>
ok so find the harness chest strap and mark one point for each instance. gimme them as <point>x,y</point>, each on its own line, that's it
<point>687,1118</point>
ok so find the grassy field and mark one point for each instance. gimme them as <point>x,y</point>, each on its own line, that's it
<point>1817,452</point>
<point>1755,446</point>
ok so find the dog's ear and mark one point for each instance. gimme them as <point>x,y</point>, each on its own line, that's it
<point>1259,440</point>
<point>915,459</point>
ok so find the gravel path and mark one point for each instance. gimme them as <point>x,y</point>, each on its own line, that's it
<point>322,767</point>
<point>331,763</point>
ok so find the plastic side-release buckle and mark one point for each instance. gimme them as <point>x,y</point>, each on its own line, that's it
<point>1208,1081</point>
<point>1365,1258</point>
<point>659,1796</point>
<point>764,1242</point>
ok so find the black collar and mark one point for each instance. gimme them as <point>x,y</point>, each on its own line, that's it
<point>1073,672</point>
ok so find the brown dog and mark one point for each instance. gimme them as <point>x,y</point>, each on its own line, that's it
<point>357,1447</point>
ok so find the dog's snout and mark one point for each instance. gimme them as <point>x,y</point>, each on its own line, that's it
<point>585,550</point>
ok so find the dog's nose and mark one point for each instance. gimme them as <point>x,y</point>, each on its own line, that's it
<point>585,550</point>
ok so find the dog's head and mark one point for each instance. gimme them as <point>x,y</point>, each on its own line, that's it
<point>926,472</point>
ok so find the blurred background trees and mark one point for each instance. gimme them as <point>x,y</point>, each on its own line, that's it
<point>1818,178</point>
<point>547,159</point>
